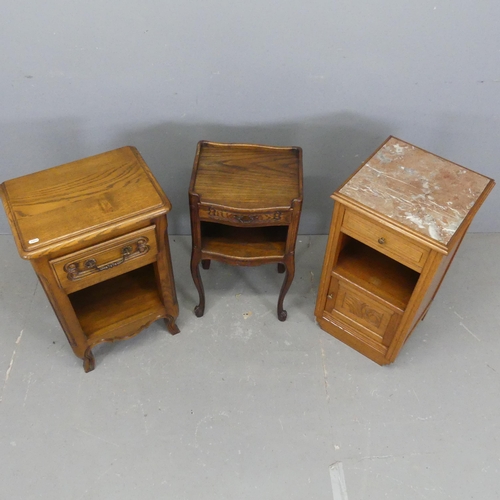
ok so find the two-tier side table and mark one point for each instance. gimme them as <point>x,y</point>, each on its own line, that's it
<point>95,231</point>
<point>397,224</point>
<point>245,202</point>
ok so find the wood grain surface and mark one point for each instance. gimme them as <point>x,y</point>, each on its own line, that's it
<point>78,197</point>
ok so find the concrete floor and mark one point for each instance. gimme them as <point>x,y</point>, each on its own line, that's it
<point>241,406</point>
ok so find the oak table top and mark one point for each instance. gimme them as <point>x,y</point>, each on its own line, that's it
<point>244,176</point>
<point>81,197</point>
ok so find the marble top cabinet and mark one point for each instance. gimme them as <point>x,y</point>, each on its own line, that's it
<point>396,226</point>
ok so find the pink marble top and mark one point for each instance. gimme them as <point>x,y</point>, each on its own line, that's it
<point>418,189</point>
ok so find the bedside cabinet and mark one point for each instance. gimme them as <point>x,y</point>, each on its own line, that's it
<point>245,202</point>
<point>396,226</point>
<point>95,231</point>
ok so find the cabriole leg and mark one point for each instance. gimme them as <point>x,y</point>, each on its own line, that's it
<point>289,274</point>
<point>195,273</point>
<point>171,326</point>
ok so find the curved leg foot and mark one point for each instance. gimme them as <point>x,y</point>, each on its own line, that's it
<point>281,268</point>
<point>171,326</point>
<point>205,263</point>
<point>195,273</point>
<point>290,272</point>
<point>88,361</point>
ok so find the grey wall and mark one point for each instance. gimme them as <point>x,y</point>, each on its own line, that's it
<point>335,77</point>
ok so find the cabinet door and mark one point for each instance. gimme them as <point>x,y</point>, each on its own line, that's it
<point>360,312</point>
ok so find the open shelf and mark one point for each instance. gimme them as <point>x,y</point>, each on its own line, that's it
<point>125,300</point>
<point>243,242</point>
<point>376,273</point>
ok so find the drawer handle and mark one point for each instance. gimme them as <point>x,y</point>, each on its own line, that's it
<point>381,240</point>
<point>246,219</point>
<point>90,265</point>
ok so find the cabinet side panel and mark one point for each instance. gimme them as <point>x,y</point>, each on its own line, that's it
<point>62,307</point>
<point>430,279</point>
<point>430,293</point>
<point>333,248</point>
<point>164,271</point>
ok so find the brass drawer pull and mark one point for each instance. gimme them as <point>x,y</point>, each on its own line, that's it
<point>90,265</point>
<point>381,240</point>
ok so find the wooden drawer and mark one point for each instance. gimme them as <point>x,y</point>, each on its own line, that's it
<point>106,260</point>
<point>272,218</point>
<point>361,311</point>
<point>385,240</point>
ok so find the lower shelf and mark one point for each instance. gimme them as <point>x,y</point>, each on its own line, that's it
<point>117,307</point>
<point>245,243</point>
